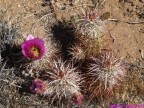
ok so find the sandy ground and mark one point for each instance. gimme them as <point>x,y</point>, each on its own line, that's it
<point>128,38</point>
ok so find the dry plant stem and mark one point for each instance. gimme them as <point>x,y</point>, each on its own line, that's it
<point>116,20</point>
<point>96,2</point>
<point>2,15</point>
<point>13,84</point>
<point>142,53</point>
<point>134,65</point>
<point>2,67</point>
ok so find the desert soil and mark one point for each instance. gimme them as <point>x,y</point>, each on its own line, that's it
<point>127,38</point>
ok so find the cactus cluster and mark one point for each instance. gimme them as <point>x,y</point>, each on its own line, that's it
<point>56,78</point>
<point>63,80</point>
<point>90,25</point>
<point>49,54</point>
<point>105,73</point>
<point>60,81</point>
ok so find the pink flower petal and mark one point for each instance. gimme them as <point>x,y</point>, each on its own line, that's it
<point>38,86</point>
<point>38,41</point>
<point>27,45</point>
<point>30,37</point>
<point>78,99</point>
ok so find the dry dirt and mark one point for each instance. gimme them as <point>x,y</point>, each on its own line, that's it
<point>128,38</point>
<point>126,29</point>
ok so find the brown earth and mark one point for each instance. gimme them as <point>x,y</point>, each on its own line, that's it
<point>128,38</point>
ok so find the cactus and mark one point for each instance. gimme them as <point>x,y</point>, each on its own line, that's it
<point>90,25</point>
<point>63,81</point>
<point>105,73</point>
<point>77,53</point>
<point>50,52</point>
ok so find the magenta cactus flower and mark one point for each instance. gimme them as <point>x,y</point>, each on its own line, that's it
<point>33,48</point>
<point>38,86</point>
<point>78,99</point>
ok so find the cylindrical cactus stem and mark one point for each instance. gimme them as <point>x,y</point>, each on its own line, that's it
<point>62,79</point>
<point>77,52</point>
<point>90,24</point>
<point>105,73</point>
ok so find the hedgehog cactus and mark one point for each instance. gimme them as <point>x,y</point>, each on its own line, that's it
<point>40,51</point>
<point>77,53</point>
<point>105,73</point>
<point>33,48</point>
<point>63,81</point>
<point>90,25</point>
<point>90,31</point>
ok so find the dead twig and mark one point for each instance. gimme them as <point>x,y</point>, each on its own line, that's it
<point>116,20</point>
<point>129,65</point>
<point>13,84</point>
